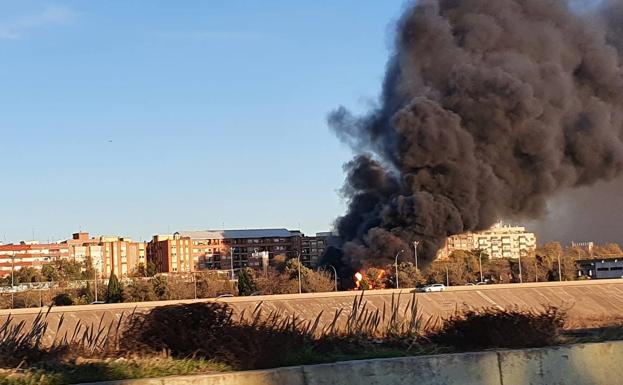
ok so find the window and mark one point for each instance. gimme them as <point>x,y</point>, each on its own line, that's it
<point>602,269</point>
<point>616,268</point>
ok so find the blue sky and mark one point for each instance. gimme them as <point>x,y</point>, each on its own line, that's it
<point>122,118</point>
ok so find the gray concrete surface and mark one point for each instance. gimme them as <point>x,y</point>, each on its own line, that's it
<point>583,364</point>
<point>589,304</point>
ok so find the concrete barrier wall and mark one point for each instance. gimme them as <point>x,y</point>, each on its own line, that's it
<point>582,364</point>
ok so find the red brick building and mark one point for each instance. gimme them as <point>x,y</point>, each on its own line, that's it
<point>187,251</point>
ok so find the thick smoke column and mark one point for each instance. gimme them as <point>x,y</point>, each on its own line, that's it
<point>489,108</point>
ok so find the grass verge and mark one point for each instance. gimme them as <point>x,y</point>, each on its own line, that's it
<point>80,371</point>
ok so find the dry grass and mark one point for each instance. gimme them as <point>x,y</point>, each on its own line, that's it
<point>213,333</point>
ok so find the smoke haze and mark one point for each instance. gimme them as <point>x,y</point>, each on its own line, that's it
<point>489,110</point>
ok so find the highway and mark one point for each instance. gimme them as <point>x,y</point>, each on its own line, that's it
<point>589,303</point>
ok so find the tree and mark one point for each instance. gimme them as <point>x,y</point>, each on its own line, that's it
<point>317,281</point>
<point>141,270</point>
<point>140,290</point>
<point>88,294</point>
<point>89,270</point>
<point>114,291</point>
<point>246,282</point>
<point>151,269</point>
<point>50,273</point>
<point>62,299</point>
<point>26,275</point>
<point>161,287</point>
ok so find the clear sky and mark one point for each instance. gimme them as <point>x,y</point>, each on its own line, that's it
<point>136,118</point>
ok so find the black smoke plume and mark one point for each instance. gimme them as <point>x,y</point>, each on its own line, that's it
<point>489,108</point>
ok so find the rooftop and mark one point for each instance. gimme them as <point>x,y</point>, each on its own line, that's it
<point>239,234</point>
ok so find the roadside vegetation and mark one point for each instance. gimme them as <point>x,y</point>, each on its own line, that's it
<point>70,286</point>
<point>210,337</point>
<point>64,283</point>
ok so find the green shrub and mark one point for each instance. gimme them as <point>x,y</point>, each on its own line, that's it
<point>62,299</point>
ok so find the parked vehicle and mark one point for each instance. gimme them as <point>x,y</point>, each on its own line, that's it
<point>433,287</point>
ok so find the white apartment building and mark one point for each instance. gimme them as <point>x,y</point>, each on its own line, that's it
<point>500,241</point>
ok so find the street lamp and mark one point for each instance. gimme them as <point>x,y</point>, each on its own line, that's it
<point>520,275</point>
<point>559,269</point>
<point>415,243</point>
<point>97,263</point>
<point>298,257</point>
<point>13,270</point>
<point>396,264</point>
<point>13,280</point>
<point>231,261</point>
<point>334,273</point>
<point>480,265</point>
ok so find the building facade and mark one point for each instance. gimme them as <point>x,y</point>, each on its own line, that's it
<point>500,241</point>
<point>313,247</point>
<point>188,251</point>
<point>600,268</point>
<point>29,254</point>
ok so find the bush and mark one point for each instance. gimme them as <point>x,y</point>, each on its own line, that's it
<point>140,290</point>
<point>246,282</point>
<point>62,299</point>
<point>207,330</point>
<point>496,328</point>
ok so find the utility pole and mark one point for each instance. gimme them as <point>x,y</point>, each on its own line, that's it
<point>415,243</point>
<point>96,264</point>
<point>536,270</point>
<point>480,265</point>
<point>520,276</point>
<point>298,257</point>
<point>396,264</point>
<point>13,280</point>
<point>231,253</point>
<point>447,277</point>
<point>559,269</point>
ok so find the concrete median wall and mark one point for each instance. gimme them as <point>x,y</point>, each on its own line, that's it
<point>583,364</point>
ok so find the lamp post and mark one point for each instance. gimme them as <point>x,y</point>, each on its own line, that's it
<point>480,264</point>
<point>559,269</point>
<point>95,278</point>
<point>231,261</point>
<point>396,264</point>
<point>13,280</point>
<point>536,270</point>
<point>298,257</point>
<point>13,270</point>
<point>415,243</point>
<point>334,274</point>
<point>520,275</point>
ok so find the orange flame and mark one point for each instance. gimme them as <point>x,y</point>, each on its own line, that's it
<point>358,279</point>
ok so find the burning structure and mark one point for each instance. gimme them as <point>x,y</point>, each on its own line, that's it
<point>488,109</point>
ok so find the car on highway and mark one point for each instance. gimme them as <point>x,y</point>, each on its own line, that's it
<point>432,288</point>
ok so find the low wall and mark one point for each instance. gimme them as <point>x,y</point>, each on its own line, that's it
<point>582,364</point>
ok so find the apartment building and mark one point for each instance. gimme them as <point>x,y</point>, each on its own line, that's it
<point>188,251</point>
<point>500,241</point>
<point>108,254</point>
<point>313,247</point>
<point>29,254</point>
